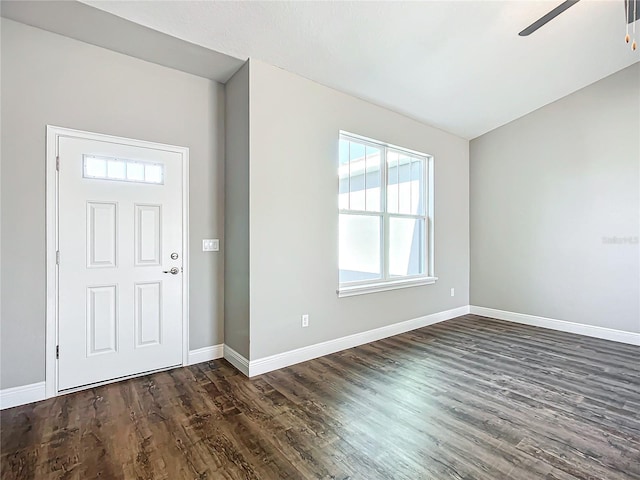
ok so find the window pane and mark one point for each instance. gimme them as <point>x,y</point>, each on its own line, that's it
<point>406,246</point>
<point>356,170</point>
<point>116,170</point>
<point>344,152</point>
<point>373,179</point>
<point>135,171</point>
<point>418,206</point>
<point>404,184</point>
<point>95,167</point>
<point>343,175</point>
<point>359,257</point>
<point>153,173</point>
<point>392,181</point>
<point>359,176</point>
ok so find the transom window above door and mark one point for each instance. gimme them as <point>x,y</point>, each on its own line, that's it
<point>123,170</point>
<point>385,200</point>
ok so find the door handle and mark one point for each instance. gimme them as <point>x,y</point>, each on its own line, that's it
<point>173,271</point>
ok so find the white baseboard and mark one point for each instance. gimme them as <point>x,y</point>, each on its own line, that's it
<point>281,360</point>
<point>561,325</point>
<point>12,397</point>
<point>205,354</point>
<point>237,360</point>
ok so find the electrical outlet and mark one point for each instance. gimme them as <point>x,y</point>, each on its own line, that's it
<point>453,292</point>
<point>305,320</point>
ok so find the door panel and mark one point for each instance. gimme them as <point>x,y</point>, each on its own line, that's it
<point>148,311</point>
<point>102,220</point>
<point>119,221</point>
<point>148,241</point>
<point>101,319</point>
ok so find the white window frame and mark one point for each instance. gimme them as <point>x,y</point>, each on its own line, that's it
<point>387,282</point>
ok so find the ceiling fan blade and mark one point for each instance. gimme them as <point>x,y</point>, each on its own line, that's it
<point>548,17</point>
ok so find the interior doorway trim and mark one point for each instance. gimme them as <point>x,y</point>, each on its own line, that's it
<point>53,134</point>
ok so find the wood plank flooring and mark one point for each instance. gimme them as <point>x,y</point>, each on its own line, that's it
<point>471,398</point>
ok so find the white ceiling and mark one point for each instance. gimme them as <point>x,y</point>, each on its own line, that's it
<point>457,65</point>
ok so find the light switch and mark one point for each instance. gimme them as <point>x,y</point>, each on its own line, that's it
<point>210,245</point>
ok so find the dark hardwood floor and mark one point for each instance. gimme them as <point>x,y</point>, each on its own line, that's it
<point>471,398</point>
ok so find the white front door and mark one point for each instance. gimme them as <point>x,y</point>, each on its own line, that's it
<point>120,260</point>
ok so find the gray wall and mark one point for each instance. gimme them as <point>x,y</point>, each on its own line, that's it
<point>236,223</point>
<point>546,189</point>
<point>294,214</point>
<point>50,79</point>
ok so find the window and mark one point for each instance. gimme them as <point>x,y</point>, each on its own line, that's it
<point>105,168</point>
<point>385,218</point>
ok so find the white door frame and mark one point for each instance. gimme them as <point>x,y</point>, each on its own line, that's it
<point>52,185</point>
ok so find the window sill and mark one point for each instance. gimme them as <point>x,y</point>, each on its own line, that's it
<point>350,291</point>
